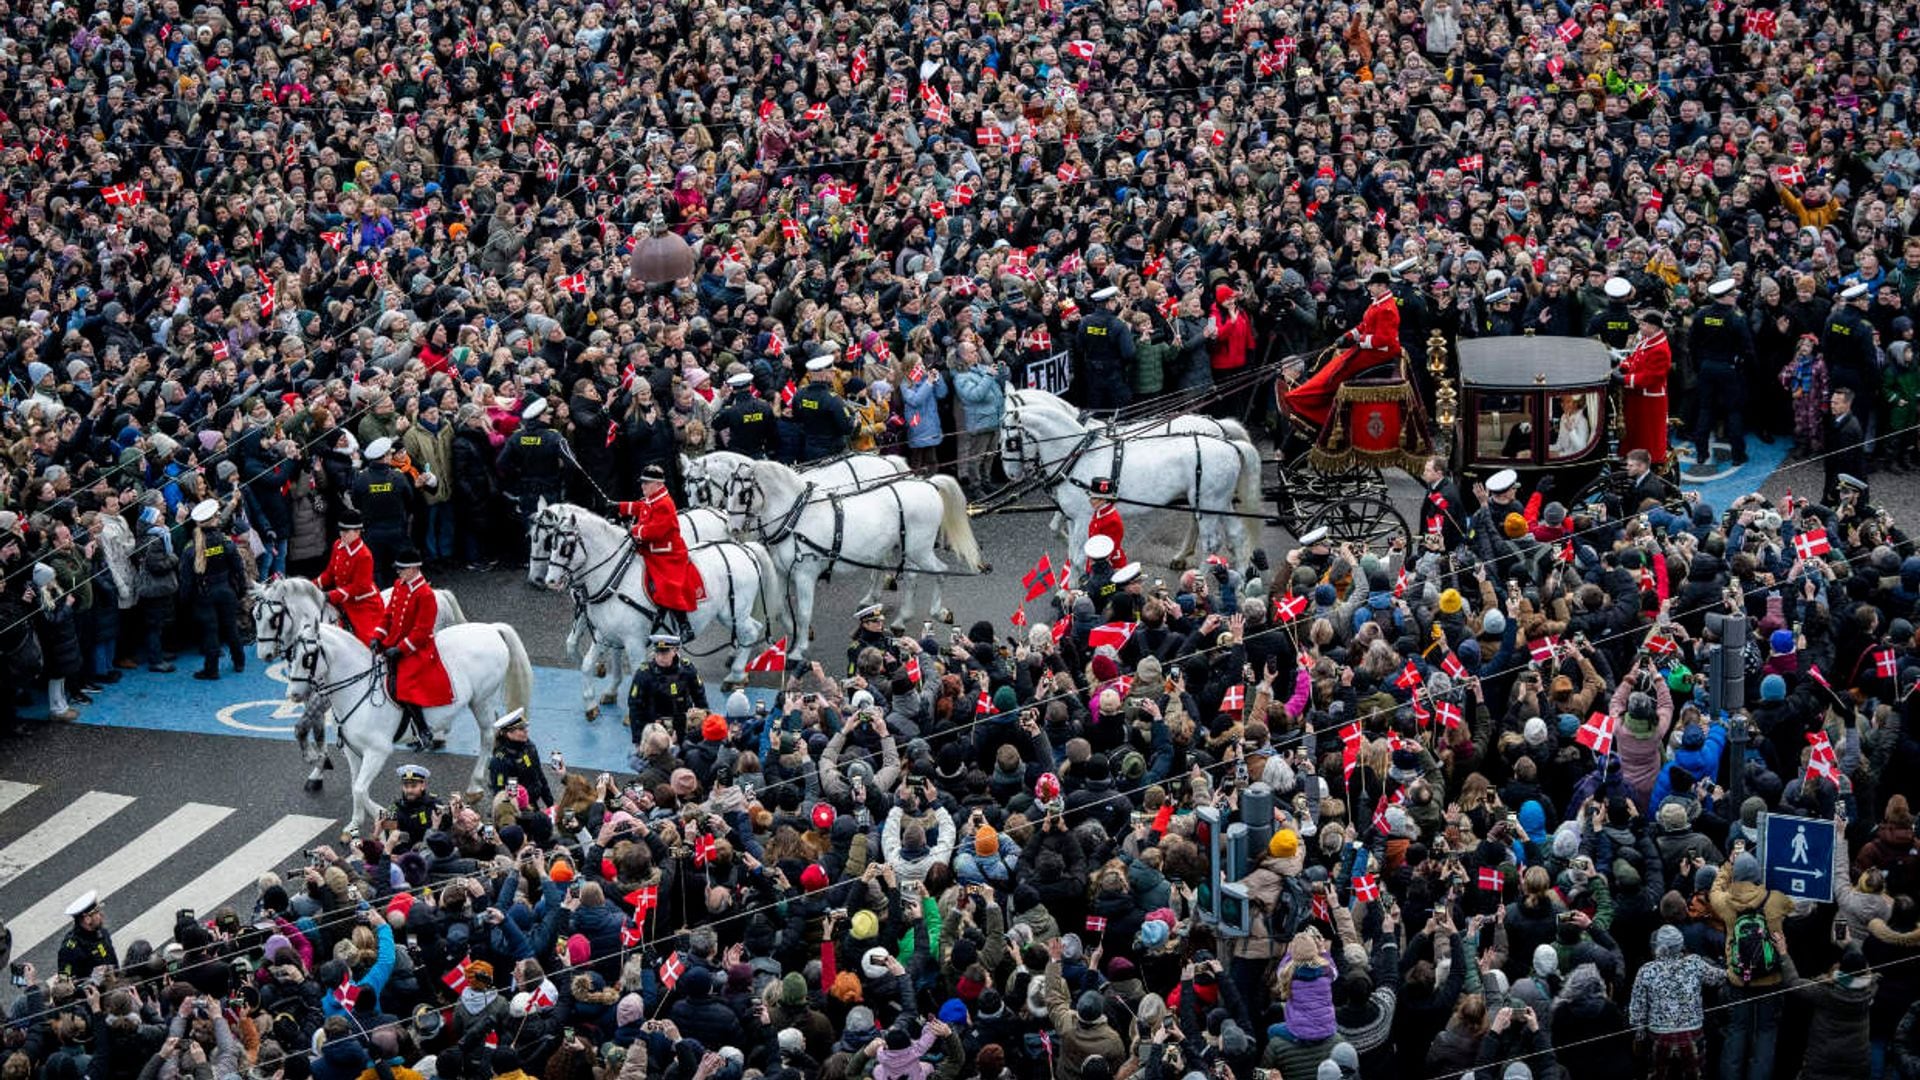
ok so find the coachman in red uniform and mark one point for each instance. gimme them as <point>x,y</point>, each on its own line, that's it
<point>419,678</point>
<point>1643,380</point>
<point>673,582</point>
<point>348,581</point>
<point>1375,341</point>
<point>1106,520</point>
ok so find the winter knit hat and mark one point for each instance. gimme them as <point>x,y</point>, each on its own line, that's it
<point>986,841</point>
<point>631,1010</point>
<point>1773,688</point>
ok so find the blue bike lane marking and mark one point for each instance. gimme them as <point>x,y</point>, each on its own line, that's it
<point>252,704</point>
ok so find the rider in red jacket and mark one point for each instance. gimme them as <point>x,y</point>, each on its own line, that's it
<point>419,678</point>
<point>673,582</point>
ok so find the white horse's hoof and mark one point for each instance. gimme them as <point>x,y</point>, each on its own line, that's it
<point>593,713</point>
<point>606,699</point>
<point>313,784</point>
<point>1176,564</point>
<point>946,616</point>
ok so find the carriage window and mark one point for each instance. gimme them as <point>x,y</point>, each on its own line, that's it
<point>1576,425</point>
<point>1504,427</point>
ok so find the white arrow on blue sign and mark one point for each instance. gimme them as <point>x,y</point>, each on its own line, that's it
<point>1796,856</point>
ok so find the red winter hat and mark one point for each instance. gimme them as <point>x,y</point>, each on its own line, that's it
<point>1222,293</point>
<point>813,879</point>
<point>714,728</point>
<point>823,816</point>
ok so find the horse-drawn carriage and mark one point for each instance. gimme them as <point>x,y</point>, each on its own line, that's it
<point>1538,405</point>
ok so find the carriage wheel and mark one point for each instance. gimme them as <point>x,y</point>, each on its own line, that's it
<point>1366,516</point>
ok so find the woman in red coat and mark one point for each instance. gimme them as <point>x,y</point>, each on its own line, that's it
<point>348,581</point>
<point>673,582</point>
<point>1643,378</point>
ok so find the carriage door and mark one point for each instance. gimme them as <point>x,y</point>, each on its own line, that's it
<point>1503,428</point>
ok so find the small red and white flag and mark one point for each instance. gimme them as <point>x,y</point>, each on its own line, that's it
<point>1235,699</point>
<point>790,229</point>
<point>1790,175</point>
<point>1400,583</point>
<point>334,240</point>
<point>1597,733</point>
<point>1662,645</point>
<point>1451,664</point>
<point>1542,649</point>
<point>1569,31</point>
<point>816,112</point>
<point>1289,607</point>
<point>1019,616</point>
<point>347,994</point>
<point>772,658</point>
<point>1116,634</point>
<point>1470,163</point>
<point>1764,23</point>
<point>705,849</point>
<point>1409,677</point>
<point>456,977</point>
<point>671,970</point>
<point>1822,762</point>
<point>1812,542</point>
<point>632,932</point>
<point>962,194</point>
<point>1813,670</point>
<point>1490,879</point>
<point>857,68</point>
<point>912,669</point>
<point>1350,742</point>
<point>1096,924</point>
<point>1450,715</point>
<point>220,350</point>
<point>991,135</point>
<point>1366,887</point>
<point>544,997</point>
<point>1885,663</point>
<point>1068,173</point>
<point>1080,49</point>
<point>575,282</point>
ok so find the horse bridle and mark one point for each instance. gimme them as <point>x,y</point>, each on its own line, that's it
<point>303,669</point>
<point>275,622</point>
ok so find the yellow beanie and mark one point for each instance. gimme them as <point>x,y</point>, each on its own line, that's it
<point>1450,602</point>
<point>1284,845</point>
<point>866,926</point>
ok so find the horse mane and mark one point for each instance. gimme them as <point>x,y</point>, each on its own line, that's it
<point>306,590</point>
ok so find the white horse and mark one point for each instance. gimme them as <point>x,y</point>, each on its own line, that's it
<point>710,483</point>
<point>484,662</point>
<point>1182,423</point>
<point>607,575</point>
<point>284,607</point>
<point>890,527</point>
<point>1151,469</point>
<point>603,662</point>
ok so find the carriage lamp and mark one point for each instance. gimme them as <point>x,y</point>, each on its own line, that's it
<point>1446,399</point>
<point>662,257</point>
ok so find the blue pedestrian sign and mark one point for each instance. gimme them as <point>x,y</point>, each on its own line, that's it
<point>1796,855</point>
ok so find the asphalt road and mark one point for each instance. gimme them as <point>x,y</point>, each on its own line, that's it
<point>174,793</point>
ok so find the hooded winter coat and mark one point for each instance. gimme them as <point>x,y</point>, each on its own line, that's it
<point>1837,1032</point>
<point>1590,1029</point>
<point>1666,993</point>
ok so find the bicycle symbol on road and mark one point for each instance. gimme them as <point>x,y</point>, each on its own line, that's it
<point>282,709</point>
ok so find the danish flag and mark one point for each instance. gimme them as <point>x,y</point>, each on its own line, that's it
<point>420,218</point>
<point>671,970</point>
<point>983,705</point>
<point>937,110</point>
<point>1662,645</point>
<point>1453,667</point>
<point>1597,733</point>
<point>790,229</point>
<point>1116,634</point>
<point>1235,699</point>
<point>859,232</point>
<point>773,658</point>
<point>1450,715</point>
<point>1569,31</point>
<point>346,993</point>
<point>1080,49</point>
<point>1814,671</point>
<point>574,283</point>
<point>456,977</point>
<point>1350,740</point>
<point>1470,163</point>
<point>632,932</point>
<point>1400,583</point>
<point>990,135</point>
<point>1542,649</point>
<point>1387,802</point>
<point>1039,579</point>
<point>1821,760</point>
<point>1289,607</point>
<point>1764,23</point>
<point>1068,173</point>
<point>1019,616</point>
<point>912,669</point>
<point>1038,340</point>
<point>1058,630</point>
<point>816,111</point>
<point>219,350</point>
<point>1789,175</point>
<point>1096,924</point>
<point>123,194</point>
<point>1409,677</point>
<point>1153,266</point>
<point>857,69</point>
<point>1885,664</point>
<point>1812,542</point>
<point>643,899</point>
<point>705,849</point>
<point>1421,713</point>
<point>1366,887</point>
<point>1490,879</point>
<point>334,240</point>
<point>962,194</point>
<point>543,998</point>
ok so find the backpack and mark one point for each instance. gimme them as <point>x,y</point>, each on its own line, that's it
<point>1750,949</point>
<point>1292,910</point>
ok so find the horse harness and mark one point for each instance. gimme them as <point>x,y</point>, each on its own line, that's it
<point>306,671</point>
<point>566,542</point>
<point>788,526</point>
<point>1117,448</point>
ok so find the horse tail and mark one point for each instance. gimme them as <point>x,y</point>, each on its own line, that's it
<point>773,592</point>
<point>450,607</point>
<point>518,689</point>
<point>956,527</point>
<point>1235,430</point>
<point>1247,494</point>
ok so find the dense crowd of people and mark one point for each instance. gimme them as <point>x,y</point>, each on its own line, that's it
<point>274,269</point>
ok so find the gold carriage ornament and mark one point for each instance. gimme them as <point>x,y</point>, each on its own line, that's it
<point>1375,423</point>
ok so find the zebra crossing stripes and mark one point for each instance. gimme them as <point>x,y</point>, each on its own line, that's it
<point>12,792</point>
<point>56,833</point>
<point>47,917</point>
<point>233,874</point>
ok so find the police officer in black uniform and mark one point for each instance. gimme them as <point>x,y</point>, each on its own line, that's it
<point>416,810</point>
<point>212,579</point>
<point>88,945</point>
<point>1127,600</point>
<point>826,420</point>
<point>532,462</point>
<point>383,495</point>
<point>1100,585</point>
<point>1847,342</point>
<point>1614,324</point>
<point>871,633</point>
<point>664,689</point>
<point>745,424</point>
<point>1105,345</point>
<point>1721,342</point>
<point>516,761</point>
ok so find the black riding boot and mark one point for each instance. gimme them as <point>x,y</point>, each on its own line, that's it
<point>422,735</point>
<point>685,627</point>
